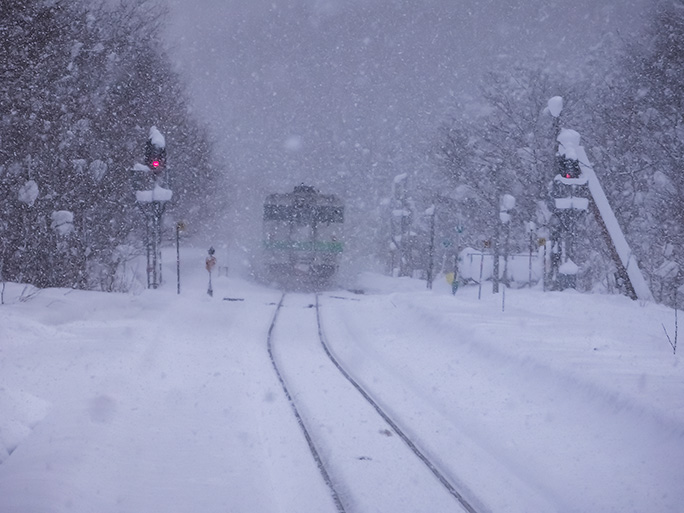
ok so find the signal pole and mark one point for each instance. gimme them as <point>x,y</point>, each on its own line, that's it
<point>576,190</point>
<point>180,226</point>
<point>570,197</point>
<point>151,197</point>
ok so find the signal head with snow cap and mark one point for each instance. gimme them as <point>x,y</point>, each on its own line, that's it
<point>155,151</point>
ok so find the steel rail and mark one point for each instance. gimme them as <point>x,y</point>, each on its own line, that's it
<point>412,446</point>
<point>309,440</point>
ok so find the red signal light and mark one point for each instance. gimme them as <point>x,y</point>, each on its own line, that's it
<point>155,163</point>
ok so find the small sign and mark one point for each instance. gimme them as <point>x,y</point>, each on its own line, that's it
<point>541,241</point>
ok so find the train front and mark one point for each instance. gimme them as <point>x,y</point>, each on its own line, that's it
<point>302,237</point>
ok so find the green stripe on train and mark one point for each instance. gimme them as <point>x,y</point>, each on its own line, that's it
<point>319,246</point>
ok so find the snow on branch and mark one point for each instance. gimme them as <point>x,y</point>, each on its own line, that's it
<point>28,193</point>
<point>555,106</point>
<point>62,222</point>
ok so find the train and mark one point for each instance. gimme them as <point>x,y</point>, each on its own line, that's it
<point>302,236</point>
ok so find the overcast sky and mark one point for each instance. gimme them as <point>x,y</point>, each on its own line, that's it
<point>320,90</point>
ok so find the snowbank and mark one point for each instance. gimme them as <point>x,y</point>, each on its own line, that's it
<point>160,402</point>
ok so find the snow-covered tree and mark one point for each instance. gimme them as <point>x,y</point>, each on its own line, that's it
<point>82,86</point>
<point>638,143</point>
<point>508,150</point>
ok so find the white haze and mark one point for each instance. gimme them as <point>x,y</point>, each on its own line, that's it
<point>346,95</point>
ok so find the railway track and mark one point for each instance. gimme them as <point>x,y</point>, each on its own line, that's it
<point>367,461</point>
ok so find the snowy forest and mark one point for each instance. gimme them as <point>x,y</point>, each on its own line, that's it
<point>84,82</point>
<point>627,103</point>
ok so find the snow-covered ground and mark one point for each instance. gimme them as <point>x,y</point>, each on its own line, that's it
<point>531,401</point>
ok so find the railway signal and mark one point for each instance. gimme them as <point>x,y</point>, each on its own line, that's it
<point>151,197</point>
<point>577,190</point>
<point>155,152</point>
<point>568,168</point>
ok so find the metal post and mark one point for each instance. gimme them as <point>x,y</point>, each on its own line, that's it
<point>159,253</point>
<point>531,250</point>
<point>157,245</point>
<point>154,251</point>
<point>454,284</point>
<point>506,255</point>
<point>148,250</point>
<point>544,275</point>
<point>431,249</point>
<point>178,227</point>
<point>479,290</point>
